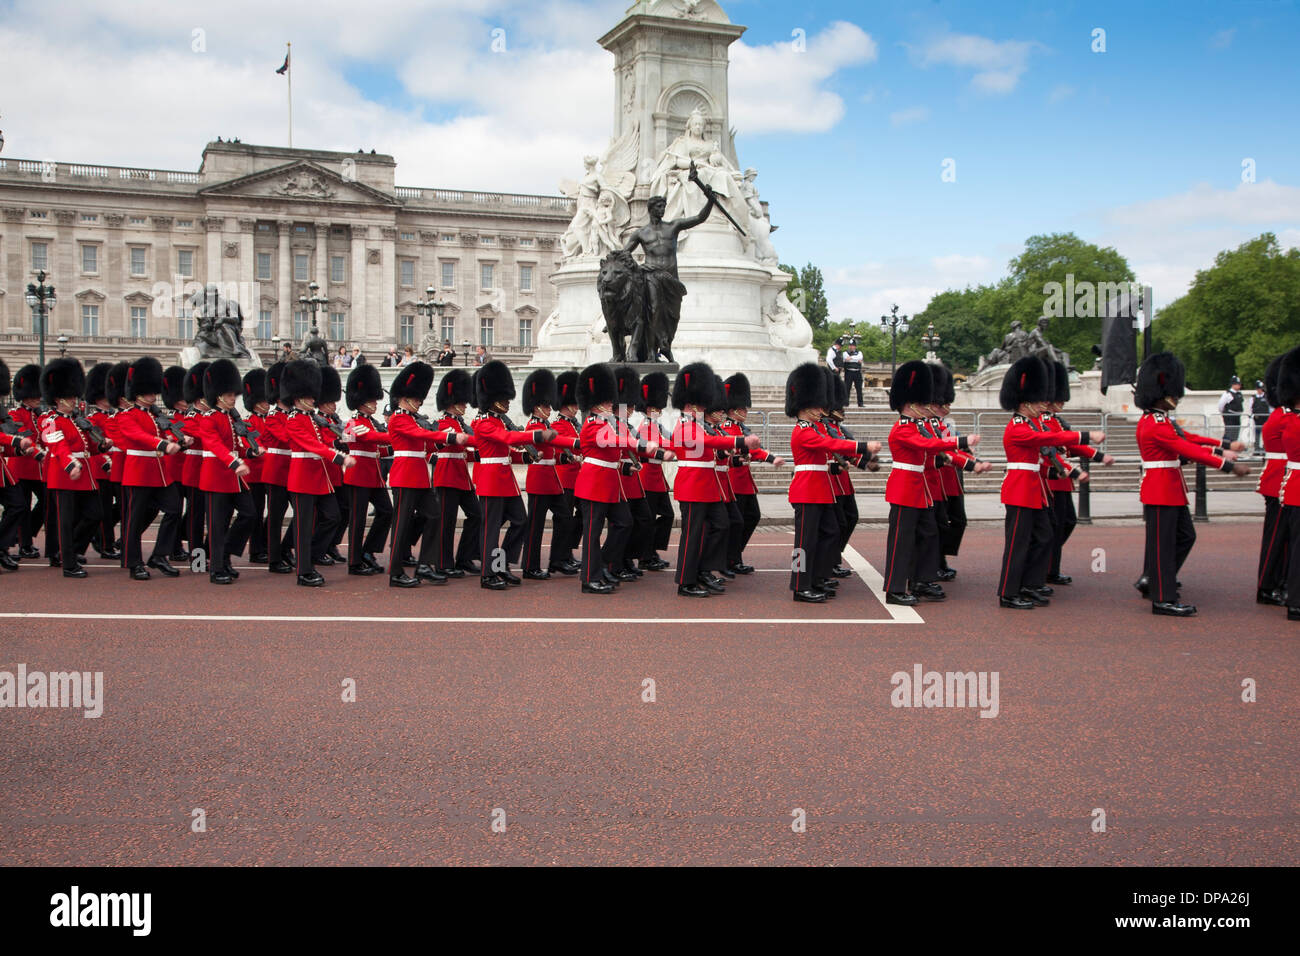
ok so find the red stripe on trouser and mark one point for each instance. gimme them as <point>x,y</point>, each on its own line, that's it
<point>588,555</point>
<point>442,534</point>
<point>398,528</point>
<point>1160,578</point>
<point>127,554</point>
<point>1267,562</point>
<point>799,546</point>
<point>893,550</point>
<point>1006,570</point>
<point>683,552</point>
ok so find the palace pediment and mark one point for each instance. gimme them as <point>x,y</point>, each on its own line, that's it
<point>303,182</point>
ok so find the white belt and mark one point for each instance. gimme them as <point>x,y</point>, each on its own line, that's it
<point>545,461</point>
<point>494,461</point>
<point>137,453</point>
<point>907,467</point>
<point>304,454</point>
<point>799,468</point>
<point>1161,464</point>
<point>695,464</point>
<point>601,462</point>
<point>1275,456</point>
<point>1293,466</point>
<point>193,451</point>
<point>721,467</point>
<point>1021,466</point>
<point>452,454</point>
<point>277,451</point>
<point>78,454</point>
<point>409,454</point>
<point>364,454</point>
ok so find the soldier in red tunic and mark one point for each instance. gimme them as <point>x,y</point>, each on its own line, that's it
<point>1288,396</point>
<point>147,488</point>
<point>542,481</point>
<point>367,439</point>
<point>311,445</point>
<point>195,504</point>
<point>452,480</point>
<point>12,447</point>
<point>29,469</point>
<point>652,401</point>
<point>494,479</point>
<point>1163,444</point>
<point>846,501</point>
<point>68,472</point>
<point>100,412</point>
<point>816,530</point>
<point>255,403</point>
<point>224,473</point>
<point>627,382</point>
<point>173,524</point>
<point>1275,546</point>
<point>275,473</point>
<point>327,402</point>
<point>566,525</point>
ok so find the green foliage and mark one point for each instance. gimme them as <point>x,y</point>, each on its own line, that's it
<point>970,324</point>
<point>814,306</point>
<point>1238,314</point>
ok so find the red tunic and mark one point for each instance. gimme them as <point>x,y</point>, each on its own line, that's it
<point>1289,489</point>
<point>275,440</point>
<point>142,447</point>
<point>28,467</point>
<point>696,451</point>
<point>742,482</point>
<point>452,468</point>
<point>223,452</point>
<point>104,420</point>
<point>810,450</point>
<point>1023,440</point>
<point>568,428</point>
<point>603,445</point>
<point>67,444</point>
<point>412,446</point>
<point>310,446</point>
<point>193,466</point>
<point>543,476</point>
<point>366,444</point>
<point>493,476</point>
<point>652,472</point>
<point>256,423</point>
<point>1161,443</point>
<point>1270,479</point>
<point>912,450</point>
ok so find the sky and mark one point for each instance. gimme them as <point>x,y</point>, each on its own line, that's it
<point>1171,135</point>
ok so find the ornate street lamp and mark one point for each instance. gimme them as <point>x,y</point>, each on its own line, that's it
<point>41,298</point>
<point>931,342</point>
<point>895,323</point>
<point>313,302</point>
<point>430,306</point>
<point>464,347</point>
<point>63,345</point>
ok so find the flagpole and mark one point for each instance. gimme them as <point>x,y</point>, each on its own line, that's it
<point>289,74</point>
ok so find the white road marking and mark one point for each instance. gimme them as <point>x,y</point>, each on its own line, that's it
<point>358,619</point>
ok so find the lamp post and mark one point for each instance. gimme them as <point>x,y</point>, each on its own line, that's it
<point>313,302</point>
<point>63,345</point>
<point>41,298</point>
<point>931,342</point>
<point>895,323</point>
<point>465,348</point>
<point>430,306</point>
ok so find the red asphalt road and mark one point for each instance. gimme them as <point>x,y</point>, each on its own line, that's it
<point>1102,705</point>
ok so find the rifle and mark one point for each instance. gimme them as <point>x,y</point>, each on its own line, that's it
<point>100,440</point>
<point>326,423</point>
<point>240,427</point>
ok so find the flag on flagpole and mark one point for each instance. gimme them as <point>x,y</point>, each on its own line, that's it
<point>285,68</point>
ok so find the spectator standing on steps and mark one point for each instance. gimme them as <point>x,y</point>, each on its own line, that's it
<point>851,362</point>
<point>1230,406</point>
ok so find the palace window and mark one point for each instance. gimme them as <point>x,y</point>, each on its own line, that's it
<point>525,278</point>
<point>337,329</point>
<point>89,217</point>
<point>449,275</point>
<point>485,330</point>
<point>137,220</point>
<point>264,265</point>
<point>448,237</point>
<point>486,276</point>
<point>40,257</point>
<point>337,267</point>
<point>264,330</point>
<point>300,268</point>
<point>527,243</point>
<point>90,259</point>
<point>185,323</point>
<point>40,214</point>
<point>408,273</point>
<point>89,320</point>
<point>526,332</point>
<point>448,324</point>
<point>137,261</point>
<point>139,321</point>
<point>487,240</point>
<point>184,223</point>
<point>406,330</point>
<point>407,236</point>
<point>185,263</point>
<point>301,323</point>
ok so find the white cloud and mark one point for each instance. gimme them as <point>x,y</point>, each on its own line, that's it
<point>867,291</point>
<point>1258,203</point>
<point>1060,93</point>
<point>774,88</point>
<point>998,64</point>
<point>915,114</point>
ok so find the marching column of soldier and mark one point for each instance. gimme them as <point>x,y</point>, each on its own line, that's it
<point>96,457</point>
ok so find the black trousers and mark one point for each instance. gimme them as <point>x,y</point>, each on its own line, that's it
<point>33,514</point>
<point>1274,547</point>
<point>195,515</point>
<point>853,380</point>
<point>849,509</point>
<point>140,505</point>
<point>566,529</point>
<point>344,499</point>
<point>643,529</point>
<point>661,506</point>
<point>11,499</point>
<point>594,516</point>
<point>315,518</point>
<point>1291,519</point>
<point>538,507</point>
<point>1063,519</point>
<point>359,541</point>
<point>735,532</point>
<point>1170,536</point>
<point>413,508</point>
<point>910,547</point>
<point>278,540</point>
<point>953,528</point>
<point>498,555</point>
<point>816,536</point>
<point>749,515</point>
<point>1231,427</point>
<point>110,509</point>
<point>78,520</point>
<point>257,543</point>
<point>1026,551</point>
<point>468,504</point>
<point>703,543</point>
<point>228,538</point>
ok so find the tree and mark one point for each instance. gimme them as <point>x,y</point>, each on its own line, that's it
<point>814,308</point>
<point>1237,315</point>
<point>968,322</point>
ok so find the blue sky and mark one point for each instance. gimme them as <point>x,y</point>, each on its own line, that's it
<point>1140,147</point>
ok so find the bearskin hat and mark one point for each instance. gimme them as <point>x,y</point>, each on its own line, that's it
<point>1288,383</point>
<point>273,376</point>
<point>566,389</point>
<point>62,378</point>
<point>173,389</point>
<point>805,387</point>
<point>194,382</point>
<point>1061,383</point>
<point>473,388</point>
<point>539,389</point>
<point>6,383</point>
<point>144,377</point>
<point>693,386</point>
<point>1029,380</point>
<point>1161,376</point>
<point>837,390</point>
<point>300,378</point>
<point>454,389</point>
<point>627,381</point>
<point>96,382</point>
<point>115,384</point>
<point>653,392</point>
<point>27,383</point>
<point>596,386</point>
<point>912,385</point>
<point>219,378</point>
<point>940,382</point>
<point>718,403</point>
<point>412,381</point>
<point>494,384</point>
<point>736,391</point>
<point>255,388</point>
<point>363,386</point>
<point>331,386</point>
<point>1270,381</point>
<point>949,389</point>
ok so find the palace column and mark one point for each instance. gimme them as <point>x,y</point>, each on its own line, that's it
<point>388,290</point>
<point>284,278</point>
<point>364,321</point>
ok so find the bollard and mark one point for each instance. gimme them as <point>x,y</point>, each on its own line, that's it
<point>1085,496</point>
<point>1201,513</point>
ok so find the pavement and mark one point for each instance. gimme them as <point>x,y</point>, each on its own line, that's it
<point>543,726</point>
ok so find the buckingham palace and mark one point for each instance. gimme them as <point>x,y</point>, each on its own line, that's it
<point>125,247</point>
